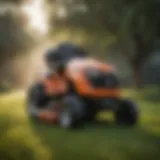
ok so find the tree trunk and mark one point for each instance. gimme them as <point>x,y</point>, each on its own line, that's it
<point>137,62</point>
<point>138,77</point>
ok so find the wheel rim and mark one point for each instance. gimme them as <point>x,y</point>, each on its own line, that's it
<point>66,119</point>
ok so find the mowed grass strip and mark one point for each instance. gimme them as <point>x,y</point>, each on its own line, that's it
<point>22,138</point>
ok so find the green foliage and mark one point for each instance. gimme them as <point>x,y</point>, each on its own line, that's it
<point>135,24</point>
<point>150,94</point>
<point>142,18</point>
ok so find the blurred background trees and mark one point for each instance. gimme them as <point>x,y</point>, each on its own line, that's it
<point>126,33</point>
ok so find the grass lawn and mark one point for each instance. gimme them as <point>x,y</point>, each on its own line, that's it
<point>21,138</point>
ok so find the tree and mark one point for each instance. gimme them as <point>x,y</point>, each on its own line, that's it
<point>141,26</point>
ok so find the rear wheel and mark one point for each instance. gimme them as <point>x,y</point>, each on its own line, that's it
<point>90,113</point>
<point>36,99</point>
<point>71,115</point>
<point>127,113</point>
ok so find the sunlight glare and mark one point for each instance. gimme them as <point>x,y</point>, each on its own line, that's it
<point>37,15</point>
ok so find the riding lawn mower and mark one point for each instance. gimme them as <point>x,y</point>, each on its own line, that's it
<point>76,89</point>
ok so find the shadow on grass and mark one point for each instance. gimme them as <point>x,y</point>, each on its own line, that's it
<point>99,141</point>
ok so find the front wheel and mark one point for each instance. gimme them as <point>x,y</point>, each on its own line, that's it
<point>36,99</point>
<point>127,113</point>
<point>71,113</point>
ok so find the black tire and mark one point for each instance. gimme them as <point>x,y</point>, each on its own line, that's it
<point>36,98</point>
<point>90,113</point>
<point>71,115</point>
<point>127,113</point>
